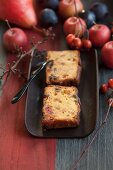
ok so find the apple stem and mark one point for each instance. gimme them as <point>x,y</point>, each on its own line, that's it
<point>9,25</point>
<point>94,22</point>
<point>76,34</point>
<point>75,8</point>
<point>76,12</point>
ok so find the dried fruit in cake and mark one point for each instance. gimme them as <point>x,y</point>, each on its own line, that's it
<point>61,107</point>
<point>65,68</point>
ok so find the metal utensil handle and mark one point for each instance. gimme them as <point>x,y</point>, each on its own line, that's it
<point>18,96</point>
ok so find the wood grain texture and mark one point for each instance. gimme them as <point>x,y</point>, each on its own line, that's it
<point>18,149</point>
<point>100,155</point>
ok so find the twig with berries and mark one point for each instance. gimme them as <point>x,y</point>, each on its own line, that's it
<point>104,88</point>
<point>85,149</point>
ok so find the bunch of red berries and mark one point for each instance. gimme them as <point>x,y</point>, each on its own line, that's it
<point>77,43</point>
<point>104,88</point>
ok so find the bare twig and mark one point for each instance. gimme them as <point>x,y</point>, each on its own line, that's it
<point>85,149</point>
<point>4,73</point>
<point>2,68</point>
<point>30,52</point>
<point>46,32</point>
<point>12,67</point>
<point>8,24</point>
<point>78,33</point>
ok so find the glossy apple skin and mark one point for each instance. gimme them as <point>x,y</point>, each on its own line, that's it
<point>14,38</point>
<point>107,54</point>
<point>74,25</point>
<point>99,34</point>
<point>67,8</point>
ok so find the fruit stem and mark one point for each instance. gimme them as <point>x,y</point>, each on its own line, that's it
<point>42,31</point>
<point>9,25</point>
<point>75,8</point>
<point>87,146</point>
<point>94,22</point>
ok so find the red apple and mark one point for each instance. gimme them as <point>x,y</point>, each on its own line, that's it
<point>74,25</point>
<point>14,38</point>
<point>67,8</point>
<point>107,54</point>
<point>99,34</point>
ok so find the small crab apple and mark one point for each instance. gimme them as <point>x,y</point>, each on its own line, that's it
<point>99,34</point>
<point>77,43</point>
<point>103,88</point>
<point>74,25</point>
<point>70,38</point>
<point>14,38</point>
<point>87,44</point>
<point>110,83</point>
<point>107,54</point>
<point>67,8</point>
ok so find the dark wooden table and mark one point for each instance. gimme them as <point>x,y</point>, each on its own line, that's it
<point>100,155</point>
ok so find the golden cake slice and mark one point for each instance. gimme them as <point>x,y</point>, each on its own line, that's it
<point>65,68</point>
<point>61,107</point>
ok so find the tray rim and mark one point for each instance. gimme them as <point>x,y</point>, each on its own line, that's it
<point>97,103</point>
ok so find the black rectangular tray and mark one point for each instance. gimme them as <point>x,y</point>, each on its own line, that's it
<point>88,93</point>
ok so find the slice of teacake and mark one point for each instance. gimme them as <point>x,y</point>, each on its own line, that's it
<point>65,68</point>
<point>61,107</point>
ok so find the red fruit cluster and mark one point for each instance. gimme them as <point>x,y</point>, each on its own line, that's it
<point>77,43</point>
<point>104,87</point>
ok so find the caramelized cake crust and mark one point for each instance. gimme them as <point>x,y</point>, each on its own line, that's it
<point>61,107</point>
<point>65,68</point>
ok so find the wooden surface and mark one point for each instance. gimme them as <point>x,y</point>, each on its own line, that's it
<point>20,151</point>
<point>100,155</point>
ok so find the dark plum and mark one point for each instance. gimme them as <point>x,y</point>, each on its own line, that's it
<point>48,18</point>
<point>89,17</point>
<point>100,10</point>
<point>53,4</point>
